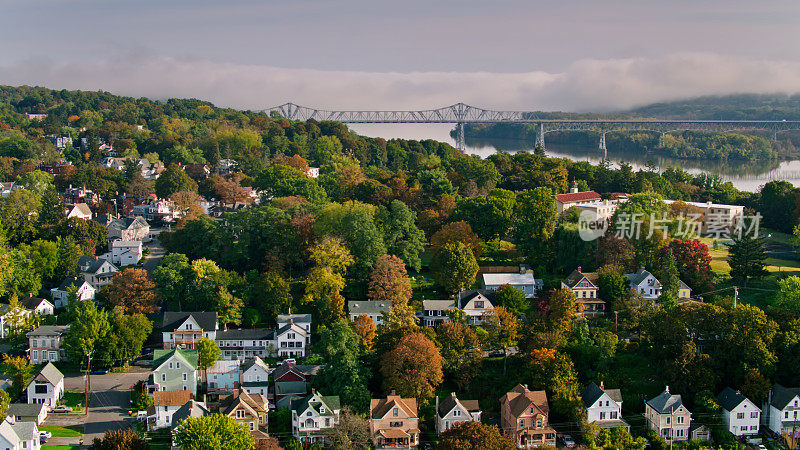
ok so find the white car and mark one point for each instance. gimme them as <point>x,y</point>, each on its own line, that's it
<point>61,409</point>
<point>290,361</point>
<point>45,435</point>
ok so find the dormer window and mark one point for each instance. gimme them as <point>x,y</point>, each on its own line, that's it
<point>322,409</point>
<point>395,412</point>
<point>456,413</point>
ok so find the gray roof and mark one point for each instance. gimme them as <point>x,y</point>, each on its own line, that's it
<point>730,399</point>
<point>49,330</point>
<point>593,392</point>
<point>368,307</point>
<point>74,281</point>
<point>245,333</point>
<point>301,318</point>
<point>25,409</point>
<point>781,396</point>
<point>190,409</point>
<point>290,387</point>
<point>255,361</point>
<point>465,297</point>
<point>438,305</point>
<point>682,285</point>
<point>666,403</point>
<point>206,320</point>
<point>31,302</point>
<point>51,374</point>
<point>128,223</point>
<point>93,264</point>
<point>449,402</point>
<point>639,276</point>
<point>514,279</point>
<point>24,430</point>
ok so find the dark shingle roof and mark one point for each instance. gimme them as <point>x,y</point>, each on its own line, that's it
<point>49,330</point>
<point>593,392</point>
<point>781,396</point>
<point>206,320</point>
<point>25,409</point>
<point>74,281</point>
<point>448,403</point>
<point>466,296</point>
<point>666,403</point>
<point>368,307</point>
<point>190,409</point>
<point>31,302</point>
<point>730,399</point>
<point>576,276</point>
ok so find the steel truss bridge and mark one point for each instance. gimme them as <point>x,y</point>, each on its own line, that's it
<point>460,114</point>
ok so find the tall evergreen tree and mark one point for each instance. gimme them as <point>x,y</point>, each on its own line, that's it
<point>746,257</point>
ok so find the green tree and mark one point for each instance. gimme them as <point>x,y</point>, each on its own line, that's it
<point>534,221</point>
<point>503,328</point>
<point>212,432</point>
<point>88,327</point>
<point>270,295</point>
<point>36,181</point>
<point>400,233</point>
<point>460,350</point>
<point>173,180</point>
<point>20,370</point>
<point>490,216</point>
<point>347,378</point>
<point>323,288</point>
<point>746,256</point>
<point>472,435</point>
<point>789,296</point>
<point>172,276</point>
<point>618,438</point>
<point>668,276</point>
<point>125,340</point>
<point>207,353</point>
<point>454,266</point>
<point>613,287</point>
<point>512,299</point>
<point>19,213</point>
<point>5,400</point>
<point>354,222</point>
<point>120,440</point>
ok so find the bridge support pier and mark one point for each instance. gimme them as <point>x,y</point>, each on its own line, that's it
<point>460,140</point>
<point>540,136</point>
<point>603,145</point>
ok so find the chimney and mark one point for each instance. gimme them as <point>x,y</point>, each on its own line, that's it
<point>579,269</point>
<point>602,386</point>
<point>393,393</point>
<point>666,389</point>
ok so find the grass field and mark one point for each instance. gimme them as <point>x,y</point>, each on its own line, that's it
<point>60,447</point>
<point>70,431</point>
<point>74,398</point>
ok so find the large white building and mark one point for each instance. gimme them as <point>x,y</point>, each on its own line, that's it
<point>603,406</point>
<point>739,415</point>
<point>781,410</point>
<point>47,387</point>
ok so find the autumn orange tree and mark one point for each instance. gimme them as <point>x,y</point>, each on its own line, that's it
<point>503,328</point>
<point>133,291</point>
<point>472,435</point>
<point>365,329</point>
<point>460,350</point>
<point>457,232</point>
<point>413,368</point>
<point>389,282</point>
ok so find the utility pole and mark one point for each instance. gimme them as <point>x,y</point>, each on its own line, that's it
<point>735,296</point>
<point>616,321</point>
<point>87,383</point>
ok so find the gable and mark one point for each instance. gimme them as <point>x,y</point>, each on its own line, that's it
<point>601,402</point>
<point>401,413</point>
<point>189,321</point>
<point>289,377</point>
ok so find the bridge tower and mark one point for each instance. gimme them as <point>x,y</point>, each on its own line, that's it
<point>540,136</point>
<point>603,145</point>
<point>460,140</point>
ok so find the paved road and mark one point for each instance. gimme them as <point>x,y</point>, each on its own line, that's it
<point>153,259</point>
<point>108,406</point>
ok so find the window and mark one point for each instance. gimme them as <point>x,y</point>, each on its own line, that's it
<point>35,343</point>
<point>680,420</point>
<point>40,388</point>
<point>478,305</point>
<point>177,365</point>
<point>395,412</point>
<point>163,377</point>
<point>613,415</point>
<point>170,365</point>
<point>184,388</point>
<point>457,413</point>
<point>740,415</point>
<point>184,377</point>
<point>744,428</point>
<point>539,423</point>
<point>251,426</point>
<point>327,422</point>
<point>35,355</point>
<point>754,415</point>
<point>53,344</point>
<point>679,432</point>
<point>395,424</point>
<point>786,415</point>
<point>521,423</point>
<point>602,416</point>
<point>533,410</point>
<point>239,414</point>
<point>753,427</point>
<point>668,421</point>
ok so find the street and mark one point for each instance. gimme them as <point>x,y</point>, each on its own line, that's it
<point>156,252</point>
<point>108,406</point>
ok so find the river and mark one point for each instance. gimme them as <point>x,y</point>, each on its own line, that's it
<point>746,176</point>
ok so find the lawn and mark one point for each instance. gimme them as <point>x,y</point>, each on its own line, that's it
<point>74,399</point>
<point>70,431</point>
<point>60,447</point>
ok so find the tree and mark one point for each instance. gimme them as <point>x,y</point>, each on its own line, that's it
<point>5,401</point>
<point>618,438</point>
<point>489,215</point>
<point>270,295</point>
<point>127,336</point>
<point>561,313</point>
<point>389,281</point>
<point>187,202</point>
<point>43,255</point>
<point>331,252</point>
<point>20,370</point>
<point>127,439</point>
<point>460,350</point>
<point>454,266</point>
<point>613,287</point>
<point>229,308</point>
<point>207,353</point>
<point>471,435</point>
<point>413,368</point>
<point>350,433</point>
<point>616,251</point>
<point>213,431</point>
<point>172,277</point>
<point>512,299</point>
<point>173,180</point>
<point>457,232</point>
<point>133,291</point>
<point>535,221</point>
<point>789,296</point>
<point>88,327</point>
<point>746,256</point>
<point>18,213</point>
<point>502,327</point>
<point>400,233</point>
<point>355,223</point>
<point>364,327</point>
<point>694,263</point>
<point>323,288</point>
<point>36,181</point>
<point>668,275</point>
<point>347,378</point>
<point>18,319</point>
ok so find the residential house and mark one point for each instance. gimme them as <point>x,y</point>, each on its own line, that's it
<point>301,320</point>
<point>75,195</point>
<point>192,409</point>
<point>522,281</point>
<point>584,286</point>
<point>174,370</point>
<point>604,406</point>
<point>163,210</point>
<point>110,162</point>
<point>45,343</point>
<point>475,304</point>
<point>255,376</point>
<point>434,312</point>
<point>668,416</point>
<point>7,187</point>
<point>38,306</point>
<point>312,172</point>
<point>19,435</point>
<point>32,116</point>
<point>30,306</point>
<point>246,409</point>
<point>782,409</point>
<point>739,415</point>
<point>126,253</point>
<point>645,284</point>
<point>312,415</point>
<point>291,381</point>
<point>374,309</point>
<point>524,416</point>
<point>129,229</point>
<point>222,377</point>
<point>291,340</point>
<point>451,411</point>
<point>185,329</point>
<point>575,198</point>
<point>151,170</point>
<point>239,344</point>
<point>81,211</point>
<point>394,422</point>
<point>684,291</point>
<point>165,405</point>
<point>47,387</point>
<point>83,291</point>
<point>28,412</point>
<point>96,271</point>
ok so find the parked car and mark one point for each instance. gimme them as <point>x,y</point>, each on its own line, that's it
<point>100,372</point>
<point>44,435</point>
<point>290,360</point>
<point>61,409</point>
<point>567,441</point>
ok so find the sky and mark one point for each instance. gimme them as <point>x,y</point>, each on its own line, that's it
<point>571,55</point>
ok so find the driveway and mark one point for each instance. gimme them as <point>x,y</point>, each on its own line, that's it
<point>153,258</point>
<point>110,400</point>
